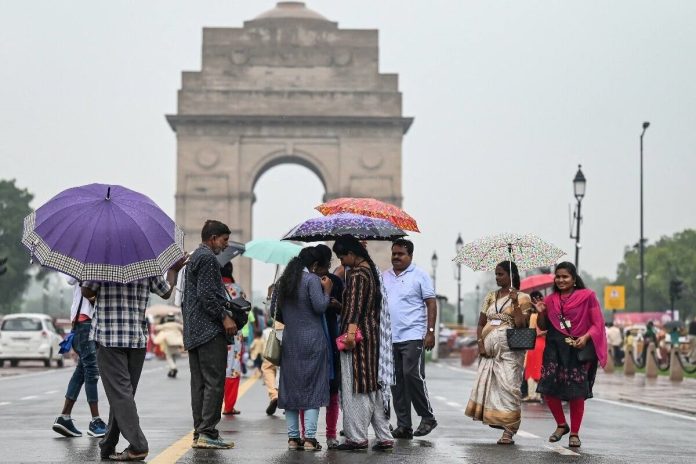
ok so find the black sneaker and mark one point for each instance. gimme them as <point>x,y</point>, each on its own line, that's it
<point>425,427</point>
<point>272,406</point>
<point>66,427</point>
<point>404,433</point>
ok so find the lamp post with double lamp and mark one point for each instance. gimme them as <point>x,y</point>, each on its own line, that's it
<point>459,244</point>
<point>641,243</point>
<point>579,183</point>
<point>435,354</point>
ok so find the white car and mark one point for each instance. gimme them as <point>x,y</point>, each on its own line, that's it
<point>27,336</point>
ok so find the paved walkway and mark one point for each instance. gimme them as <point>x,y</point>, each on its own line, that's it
<point>659,393</point>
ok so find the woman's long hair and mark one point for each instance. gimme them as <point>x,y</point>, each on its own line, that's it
<point>349,244</point>
<point>515,277</point>
<point>570,267</point>
<point>288,283</point>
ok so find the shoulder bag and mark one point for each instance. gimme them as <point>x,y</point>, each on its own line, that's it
<point>66,343</point>
<point>586,354</point>
<point>272,350</point>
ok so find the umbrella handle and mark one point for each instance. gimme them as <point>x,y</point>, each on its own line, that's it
<point>510,261</point>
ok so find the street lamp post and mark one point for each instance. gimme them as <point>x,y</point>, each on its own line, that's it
<point>579,184</point>
<point>435,355</point>
<point>459,244</point>
<point>641,243</point>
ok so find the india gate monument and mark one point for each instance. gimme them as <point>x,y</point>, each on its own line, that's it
<point>289,86</point>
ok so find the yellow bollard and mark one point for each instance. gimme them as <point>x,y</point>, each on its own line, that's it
<point>676,374</point>
<point>650,364</point>
<point>629,365</point>
<point>610,366</point>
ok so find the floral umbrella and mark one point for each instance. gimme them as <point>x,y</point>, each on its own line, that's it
<point>337,225</point>
<point>527,251</point>
<point>372,208</point>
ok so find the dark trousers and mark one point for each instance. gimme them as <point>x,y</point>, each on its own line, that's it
<point>207,363</point>
<point>409,370</point>
<point>120,370</point>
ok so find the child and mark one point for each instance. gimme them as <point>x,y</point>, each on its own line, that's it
<point>256,350</point>
<point>232,376</point>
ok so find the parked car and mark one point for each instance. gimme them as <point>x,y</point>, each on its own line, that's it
<point>27,336</point>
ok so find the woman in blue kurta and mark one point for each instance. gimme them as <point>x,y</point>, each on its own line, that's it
<point>305,368</point>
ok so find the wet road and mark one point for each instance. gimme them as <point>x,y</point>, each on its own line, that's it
<point>612,432</point>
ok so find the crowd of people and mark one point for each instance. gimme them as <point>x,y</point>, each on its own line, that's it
<point>351,341</point>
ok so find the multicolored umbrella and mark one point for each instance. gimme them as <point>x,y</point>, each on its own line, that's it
<point>272,251</point>
<point>372,208</point>
<point>527,251</point>
<point>337,225</point>
<point>103,233</point>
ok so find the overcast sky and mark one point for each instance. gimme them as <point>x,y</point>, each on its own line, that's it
<point>508,97</point>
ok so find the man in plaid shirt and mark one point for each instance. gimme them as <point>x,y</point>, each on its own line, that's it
<point>119,328</point>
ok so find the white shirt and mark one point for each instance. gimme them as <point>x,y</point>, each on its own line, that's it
<point>406,295</point>
<point>87,308</point>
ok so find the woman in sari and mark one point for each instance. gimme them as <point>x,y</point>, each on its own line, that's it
<point>496,398</point>
<point>574,321</point>
<point>367,366</point>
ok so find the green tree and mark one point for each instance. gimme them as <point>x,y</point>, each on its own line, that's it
<point>14,206</point>
<point>667,259</point>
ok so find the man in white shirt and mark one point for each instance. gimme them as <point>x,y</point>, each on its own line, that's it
<point>615,340</point>
<point>413,310</point>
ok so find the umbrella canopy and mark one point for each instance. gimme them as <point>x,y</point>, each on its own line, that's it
<point>272,251</point>
<point>103,233</point>
<point>372,208</point>
<point>233,250</point>
<point>337,225</point>
<point>537,282</point>
<point>527,251</point>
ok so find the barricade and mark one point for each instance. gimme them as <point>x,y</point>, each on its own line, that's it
<point>629,363</point>
<point>651,362</point>
<point>610,366</point>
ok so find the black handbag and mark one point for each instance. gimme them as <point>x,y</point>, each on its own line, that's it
<point>238,309</point>
<point>588,353</point>
<point>521,339</point>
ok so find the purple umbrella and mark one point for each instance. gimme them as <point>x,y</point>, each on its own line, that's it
<point>333,226</point>
<point>103,233</point>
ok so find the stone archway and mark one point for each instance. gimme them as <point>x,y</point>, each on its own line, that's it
<point>288,87</point>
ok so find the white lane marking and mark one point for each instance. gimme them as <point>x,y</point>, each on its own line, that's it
<point>441,398</point>
<point>5,403</point>
<point>524,434</point>
<point>32,397</point>
<point>51,392</point>
<point>561,450</point>
<point>454,404</point>
<point>462,370</point>
<point>646,409</point>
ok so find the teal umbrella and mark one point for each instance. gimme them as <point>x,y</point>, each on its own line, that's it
<point>272,251</point>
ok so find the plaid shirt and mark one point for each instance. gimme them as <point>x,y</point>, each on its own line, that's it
<point>119,318</point>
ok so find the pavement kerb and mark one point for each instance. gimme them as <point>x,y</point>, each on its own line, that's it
<point>177,449</point>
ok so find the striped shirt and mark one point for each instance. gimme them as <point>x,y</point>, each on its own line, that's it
<point>119,318</point>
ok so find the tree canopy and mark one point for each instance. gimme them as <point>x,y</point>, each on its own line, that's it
<point>668,259</point>
<point>14,206</point>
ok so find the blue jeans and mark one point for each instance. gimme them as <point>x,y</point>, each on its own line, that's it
<point>311,417</point>
<point>86,371</point>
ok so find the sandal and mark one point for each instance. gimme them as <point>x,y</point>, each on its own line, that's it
<point>506,439</point>
<point>295,444</point>
<point>558,434</point>
<point>574,441</point>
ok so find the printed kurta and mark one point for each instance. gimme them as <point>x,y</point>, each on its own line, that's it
<point>360,307</point>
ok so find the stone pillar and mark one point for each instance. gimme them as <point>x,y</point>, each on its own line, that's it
<point>610,366</point>
<point>651,370</point>
<point>676,373</point>
<point>629,365</point>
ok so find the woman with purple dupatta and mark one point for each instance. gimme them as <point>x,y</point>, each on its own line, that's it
<point>575,325</point>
